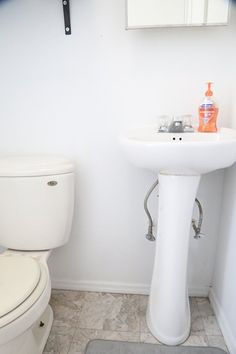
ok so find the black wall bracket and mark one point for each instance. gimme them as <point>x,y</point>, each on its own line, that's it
<point>66,10</point>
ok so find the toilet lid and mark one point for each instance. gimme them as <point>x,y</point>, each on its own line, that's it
<point>19,277</point>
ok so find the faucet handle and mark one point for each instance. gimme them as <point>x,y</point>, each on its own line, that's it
<point>163,123</point>
<point>188,123</point>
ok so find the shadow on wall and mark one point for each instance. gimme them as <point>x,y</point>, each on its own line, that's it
<point>4,1</point>
<point>226,242</point>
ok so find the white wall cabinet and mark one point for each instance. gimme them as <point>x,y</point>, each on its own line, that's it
<point>167,13</point>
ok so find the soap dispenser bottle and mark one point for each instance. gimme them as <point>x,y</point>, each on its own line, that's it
<point>208,112</point>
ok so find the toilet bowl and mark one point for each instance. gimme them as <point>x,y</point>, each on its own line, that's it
<point>22,307</point>
<point>25,286</point>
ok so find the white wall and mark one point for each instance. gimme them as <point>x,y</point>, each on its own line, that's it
<point>72,95</point>
<point>223,293</point>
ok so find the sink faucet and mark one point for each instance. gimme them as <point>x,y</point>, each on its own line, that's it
<point>180,124</point>
<point>176,126</point>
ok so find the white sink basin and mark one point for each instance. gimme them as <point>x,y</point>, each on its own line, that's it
<point>184,153</point>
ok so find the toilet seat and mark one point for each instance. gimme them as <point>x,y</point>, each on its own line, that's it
<point>19,277</point>
<point>22,281</point>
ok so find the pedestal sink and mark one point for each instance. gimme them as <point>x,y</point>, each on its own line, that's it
<point>179,159</point>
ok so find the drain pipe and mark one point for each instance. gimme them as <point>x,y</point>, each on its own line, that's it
<point>149,235</point>
<point>196,225</point>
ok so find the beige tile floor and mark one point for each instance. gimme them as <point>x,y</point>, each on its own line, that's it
<point>82,316</point>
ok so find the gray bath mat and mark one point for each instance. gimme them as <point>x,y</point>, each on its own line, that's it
<point>113,347</point>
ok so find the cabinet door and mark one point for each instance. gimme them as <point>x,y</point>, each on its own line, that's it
<point>149,13</point>
<point>162,13</point>
<point>217,12</point>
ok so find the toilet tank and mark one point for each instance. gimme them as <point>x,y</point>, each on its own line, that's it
<point>36,202</point>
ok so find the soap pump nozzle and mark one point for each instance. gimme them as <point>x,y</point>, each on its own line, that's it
<point>209,93</point>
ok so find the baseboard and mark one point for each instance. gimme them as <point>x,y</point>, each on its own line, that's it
<point>229,337</point>
<point>99,286</point>
<point>115,287</point>
<point>201,291</point>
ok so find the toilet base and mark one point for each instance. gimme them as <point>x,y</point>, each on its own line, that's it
<point>34,339</point>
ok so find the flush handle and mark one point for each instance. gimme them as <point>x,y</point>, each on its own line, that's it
<point>52,183</point>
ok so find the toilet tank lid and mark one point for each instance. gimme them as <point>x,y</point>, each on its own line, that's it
<point>35,165</point>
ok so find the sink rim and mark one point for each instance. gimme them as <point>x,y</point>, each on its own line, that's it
<point>185,156</point>
<point>134,136</point>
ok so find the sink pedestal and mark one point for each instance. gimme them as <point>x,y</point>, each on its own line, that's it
<point>168,314</point>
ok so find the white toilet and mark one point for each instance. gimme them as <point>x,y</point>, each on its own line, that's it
<point>36,211</point>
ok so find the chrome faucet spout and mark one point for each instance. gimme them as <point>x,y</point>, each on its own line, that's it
<point>176,127</point>
<point>181,124</point>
